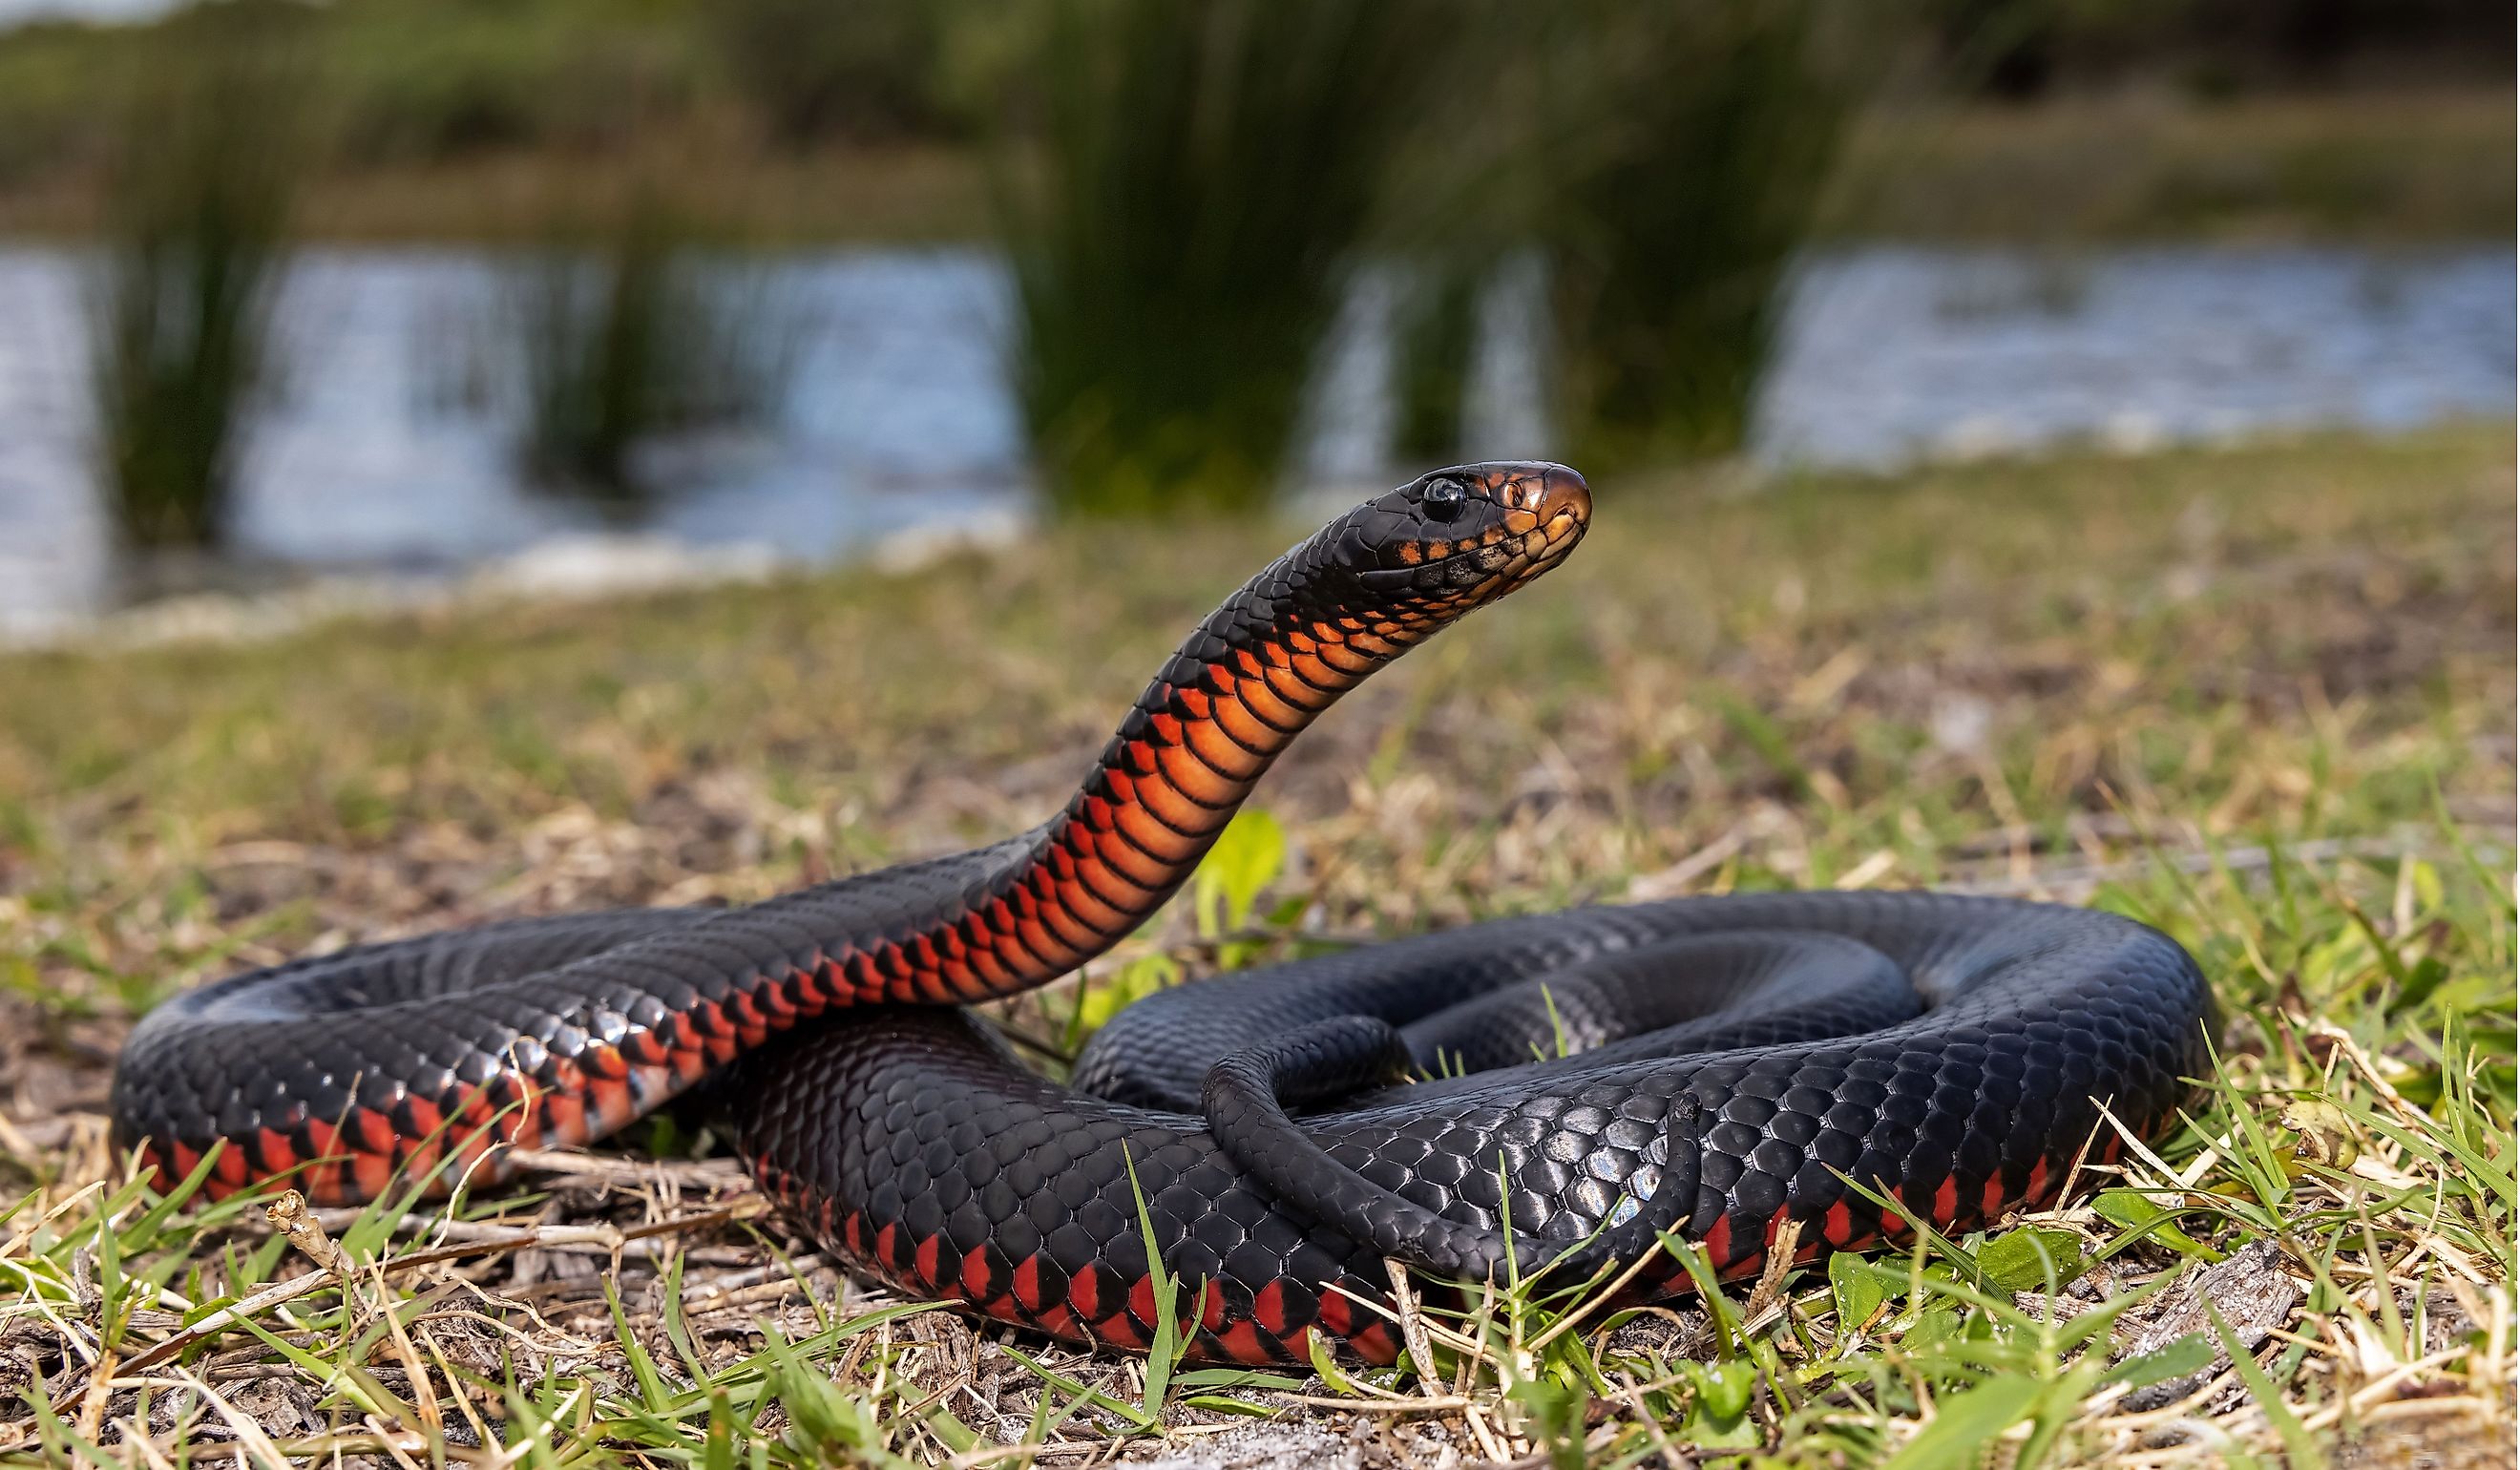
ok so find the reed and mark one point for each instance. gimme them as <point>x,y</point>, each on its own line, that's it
<point>629,337</point>
<point>1437,336</point>
<point>205,167</point>
<point>1196,182</point>
<point>1689,145</point>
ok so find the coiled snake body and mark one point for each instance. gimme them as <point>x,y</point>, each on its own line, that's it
<point>1736,1061</point>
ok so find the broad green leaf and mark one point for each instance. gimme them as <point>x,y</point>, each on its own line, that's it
<point>1246,859</point>
<point>1724,1388</point>
<point>1935,1324</point>
<point>1857,1289</point>
<point>2031,1260</point>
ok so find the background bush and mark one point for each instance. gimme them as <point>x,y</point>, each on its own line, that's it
<point>1181,216</point>
<point>200,183</point>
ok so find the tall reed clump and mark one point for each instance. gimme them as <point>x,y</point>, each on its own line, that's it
<point>1464,198</point>
<point>1180,221</point>
<point>1687,146</point>
<point>200,184</point>
<point>1436,336</point>
<point>630,336</point>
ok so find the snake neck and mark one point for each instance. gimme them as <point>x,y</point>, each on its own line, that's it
<point>1188,752</point>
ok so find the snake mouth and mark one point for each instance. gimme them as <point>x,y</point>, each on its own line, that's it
<point>1544,511</point>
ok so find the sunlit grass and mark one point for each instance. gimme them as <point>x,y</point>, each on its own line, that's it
<point>2259,698</point>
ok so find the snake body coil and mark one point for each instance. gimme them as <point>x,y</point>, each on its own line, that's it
<point>1736,1060</point>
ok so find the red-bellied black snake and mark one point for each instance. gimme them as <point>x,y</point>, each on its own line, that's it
<point>1737,1063</point>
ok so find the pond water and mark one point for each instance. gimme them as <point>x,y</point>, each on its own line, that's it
<point>376,449</point>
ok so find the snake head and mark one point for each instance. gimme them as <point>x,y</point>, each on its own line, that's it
<point>1461,538</point>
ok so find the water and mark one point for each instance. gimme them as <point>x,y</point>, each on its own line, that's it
<point>1895,354</point>
<point>376,450</point>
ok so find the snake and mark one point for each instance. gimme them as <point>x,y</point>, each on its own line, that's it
<point>1727,1083</point>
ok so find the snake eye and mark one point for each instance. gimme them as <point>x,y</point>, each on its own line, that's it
<point>1444,498</point>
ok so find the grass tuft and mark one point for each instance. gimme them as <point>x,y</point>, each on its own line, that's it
<point>1689,145</point>
<point>196,238</point>
<point>632,338</point>
<point>1198,184</point>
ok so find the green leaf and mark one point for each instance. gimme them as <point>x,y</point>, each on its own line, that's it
<point>1317,1347</point>
<point>1097,1005</point>
<point>818,1412</point>
<point>1964,1424</point>
<point>952,1432</point>
<point>2424,979</point>
<point>1169,1344</point>
<point>643,1366</point>
<point>2129,1210</point>
<point>1724,1388</point>
<point>1246,859</point>
<point>2031,1260</point>
<point>2175,1358</point>
<point>1553,1417</point>
<point>1719,1409</point>
<point>1858,1291</point>
<point>1080,1396</point>
<point>717,1450</point>
<point>1239,1378</point>
<point>1218,1403</point>
<point>1934,1325</point>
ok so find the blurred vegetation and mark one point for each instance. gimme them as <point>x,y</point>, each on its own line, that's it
<point>856,120</point>
<point>865,68</point>
<point>1688,147</point>
<point>2024,49</point>
<point>1199,178</point>
<point>2390,167</point>
<point>633,334</point>
<point>1187,190</point>
<point>1437,320</point>
<point>200,184</point>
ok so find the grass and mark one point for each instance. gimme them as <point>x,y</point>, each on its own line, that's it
<point>2260,697</point>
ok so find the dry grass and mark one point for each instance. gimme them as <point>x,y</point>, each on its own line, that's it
<point>2261,698</point>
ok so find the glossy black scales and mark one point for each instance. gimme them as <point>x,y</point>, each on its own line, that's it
<point>1728,1063</point>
